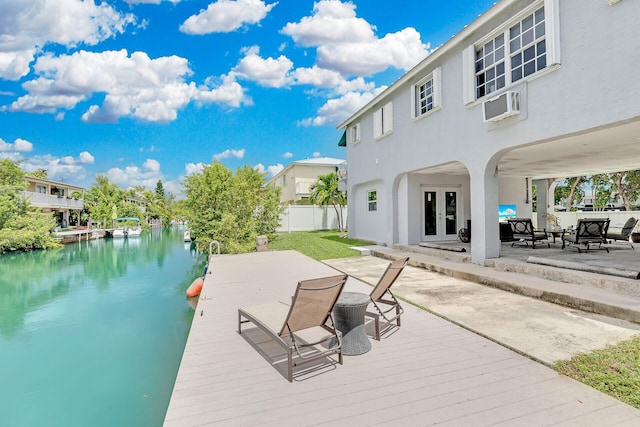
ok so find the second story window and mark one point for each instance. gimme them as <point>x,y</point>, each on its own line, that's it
<point>527,46</point>
<point>490,66</point>
<point>383,121</point>
<point>426,94</point>
<point>521,48</point>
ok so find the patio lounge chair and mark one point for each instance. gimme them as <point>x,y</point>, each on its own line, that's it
<point>624,234</point>
<point>307,317</point>
<point>524,232</point>
<point>382,288</point>
<point>589,231</point>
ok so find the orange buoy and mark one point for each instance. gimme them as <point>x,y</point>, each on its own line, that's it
<point>195,288</point>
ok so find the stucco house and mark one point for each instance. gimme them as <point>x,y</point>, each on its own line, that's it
<point>54,197</point>
<point>296,179</point>
<point>531,91</point>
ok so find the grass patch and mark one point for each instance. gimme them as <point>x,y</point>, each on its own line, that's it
<point>614,370</point>
<point>318,245</point>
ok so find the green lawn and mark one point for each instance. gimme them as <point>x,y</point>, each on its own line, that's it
<point>614,371</point>
<point>318,245</point>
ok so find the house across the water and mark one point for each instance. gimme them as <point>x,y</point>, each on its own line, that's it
<point>58,198</point>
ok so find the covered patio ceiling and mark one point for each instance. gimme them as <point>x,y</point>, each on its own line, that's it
<point>604,150</point>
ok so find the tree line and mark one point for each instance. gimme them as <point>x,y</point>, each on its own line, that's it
<point>624,185</point>
<point>231,208</point>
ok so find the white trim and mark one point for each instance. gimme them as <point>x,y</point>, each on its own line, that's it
<point>436,93</point>
<point>437,89</point>
<point>552,30</point>
<point>383,121</point>
<point>468,75</point>
<point>351,138</point>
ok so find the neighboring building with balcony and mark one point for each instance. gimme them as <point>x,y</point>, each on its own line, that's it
<point>54,197</point>
<point>297,178</point>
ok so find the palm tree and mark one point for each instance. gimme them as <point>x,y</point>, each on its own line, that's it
<point>326,192</point>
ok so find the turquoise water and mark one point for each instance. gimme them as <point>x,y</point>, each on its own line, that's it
<point>92,334</point>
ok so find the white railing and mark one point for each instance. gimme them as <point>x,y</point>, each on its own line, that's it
<point>41,200</point>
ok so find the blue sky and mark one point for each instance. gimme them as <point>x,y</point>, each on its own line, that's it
<point>148,90</point>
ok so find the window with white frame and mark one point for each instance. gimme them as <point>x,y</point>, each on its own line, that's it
<point>426,94</point>
<point>354,134</point>
<point>383,121</point>
<point>372,201</point>
<point>523,47</point>
<point>41,189</point>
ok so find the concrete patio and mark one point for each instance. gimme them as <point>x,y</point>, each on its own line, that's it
<point>429,371</point>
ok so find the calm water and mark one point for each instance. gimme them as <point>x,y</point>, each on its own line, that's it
<point>92,334</point>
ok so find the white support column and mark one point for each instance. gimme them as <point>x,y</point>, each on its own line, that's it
<point>391,195</point>
<point>485,230</point>
<point>542,198</point>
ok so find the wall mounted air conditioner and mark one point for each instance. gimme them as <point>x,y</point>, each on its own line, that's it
<point>502,106</point>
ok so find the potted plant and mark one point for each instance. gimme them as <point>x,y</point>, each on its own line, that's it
<point>554,222</point>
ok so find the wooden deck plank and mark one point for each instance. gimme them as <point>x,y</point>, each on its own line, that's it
<point>429,371</point>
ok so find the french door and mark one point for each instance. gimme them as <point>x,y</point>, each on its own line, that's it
<point>441,208</point>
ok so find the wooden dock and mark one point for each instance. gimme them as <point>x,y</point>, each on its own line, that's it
<point>429,371</point>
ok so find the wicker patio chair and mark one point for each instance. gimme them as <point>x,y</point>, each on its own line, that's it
<point>589,231</point>
<point>624,234</point>
<point>382,288</point>
<point>308,316</point>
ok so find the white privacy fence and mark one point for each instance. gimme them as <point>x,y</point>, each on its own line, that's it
<point>617,218</point>
<point>310,218</point>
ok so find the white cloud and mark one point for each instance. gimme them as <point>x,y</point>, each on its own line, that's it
<point>336,110</point>
<point>401,50</point>
<point>18,146</point>
<point>225,91</point>
<point>287,155</point>
<point>332,22</point>
<point>28,25</point>
<point>193,168</point>
<point>269,72</point>
<point>316,154</point>
<point>238,154</point>
<point>348,45</point>
<point>133,176</point>
<point>224,16</point>
<point>273,170</point>
<point>136,86</point>
<point>67,168</point>
<point>150,1</point>
<point>152,165</point>
<point>86,158</point>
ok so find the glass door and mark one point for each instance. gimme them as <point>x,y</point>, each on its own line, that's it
<point>440,213</point>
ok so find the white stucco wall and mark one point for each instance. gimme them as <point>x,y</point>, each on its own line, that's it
<point>365,222</point>
<point>595,86</point>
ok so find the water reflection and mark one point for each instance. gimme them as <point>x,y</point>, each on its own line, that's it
<point>110,318</point>
<point>34,279</point>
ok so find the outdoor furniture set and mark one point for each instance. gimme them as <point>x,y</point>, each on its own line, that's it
<point>588,233</point>
<point>322,320</point>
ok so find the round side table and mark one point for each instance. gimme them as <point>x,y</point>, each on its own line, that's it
<point>349,314</point>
